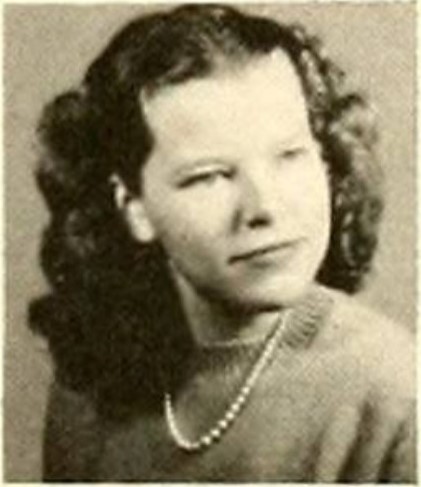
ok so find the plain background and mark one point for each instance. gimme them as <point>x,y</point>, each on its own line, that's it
<point>47,49</point>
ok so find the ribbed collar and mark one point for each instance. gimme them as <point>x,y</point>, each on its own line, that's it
<point>301,326</point>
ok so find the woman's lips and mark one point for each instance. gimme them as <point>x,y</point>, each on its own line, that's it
<point>268,252</point>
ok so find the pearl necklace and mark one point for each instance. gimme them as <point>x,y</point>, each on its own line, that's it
<point>233,410</point>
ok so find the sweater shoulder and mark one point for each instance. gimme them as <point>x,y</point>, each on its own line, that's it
<point>378,347</point>
<point>72,435</point>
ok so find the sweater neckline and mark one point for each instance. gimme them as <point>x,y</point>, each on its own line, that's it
<point>300,328</point>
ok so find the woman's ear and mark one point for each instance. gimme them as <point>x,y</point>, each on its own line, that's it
<point>133,210</point>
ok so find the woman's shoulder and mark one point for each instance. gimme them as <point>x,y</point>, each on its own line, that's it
<point>364,324</point>
<point>66,399</point>
<point>373,343</point>
<point>72,436</point>
<point>373,358</point>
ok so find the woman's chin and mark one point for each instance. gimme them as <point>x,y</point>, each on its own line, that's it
<point>273,295</point>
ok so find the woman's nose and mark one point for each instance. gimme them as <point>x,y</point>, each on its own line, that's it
<point>258,201</point>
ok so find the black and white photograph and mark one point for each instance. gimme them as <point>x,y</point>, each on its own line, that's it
<point>210,242</point>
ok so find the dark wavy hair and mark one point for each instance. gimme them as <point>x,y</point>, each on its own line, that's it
<point>112,319</point>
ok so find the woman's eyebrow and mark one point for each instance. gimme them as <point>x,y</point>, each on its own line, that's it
<point>297,136</point>
<point>188,167</point>
<point>193,163</point>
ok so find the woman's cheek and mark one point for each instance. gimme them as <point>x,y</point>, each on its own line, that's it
<point>196,213</point>
<point>312,196</point>
<point>212,204</point>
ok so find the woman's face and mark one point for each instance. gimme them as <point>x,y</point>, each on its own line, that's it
<point>235,189</point>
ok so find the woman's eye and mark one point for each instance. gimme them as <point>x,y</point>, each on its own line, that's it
<point>292,154</point>
<point>205,178</point>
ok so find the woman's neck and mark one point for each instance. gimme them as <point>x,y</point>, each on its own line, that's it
<point>214,323</point>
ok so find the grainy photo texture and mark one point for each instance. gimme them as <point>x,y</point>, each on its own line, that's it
<point>211,232</point>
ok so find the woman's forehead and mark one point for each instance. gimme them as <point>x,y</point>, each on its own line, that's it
<point>225,69</point>
<point>266,90</point>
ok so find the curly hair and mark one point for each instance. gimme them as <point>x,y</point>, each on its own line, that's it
<point>113,318</point>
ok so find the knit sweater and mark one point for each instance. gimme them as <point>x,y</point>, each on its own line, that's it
<point>335,403</point>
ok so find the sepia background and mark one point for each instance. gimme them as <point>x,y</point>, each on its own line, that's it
<point>47,49</point>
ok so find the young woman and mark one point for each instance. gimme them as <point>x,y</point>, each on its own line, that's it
<point>213,188</point>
